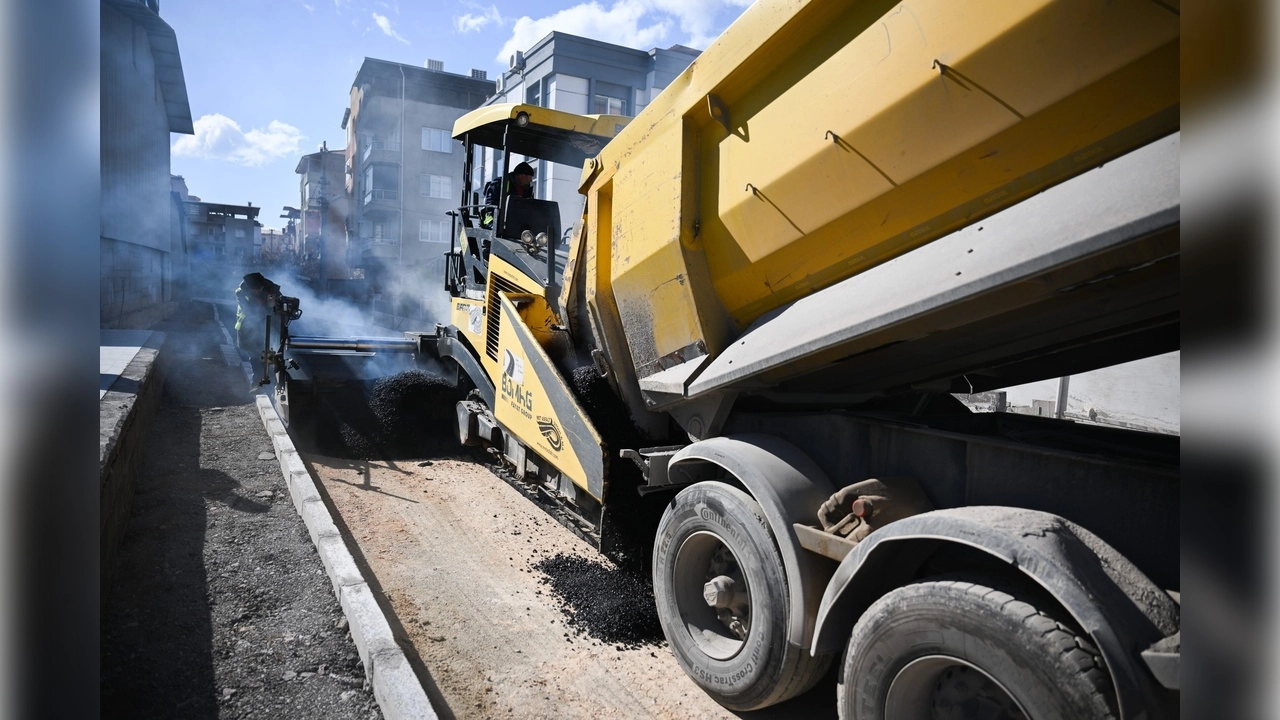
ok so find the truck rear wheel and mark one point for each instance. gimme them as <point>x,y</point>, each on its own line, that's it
<point>956,649</point>
<point>721,591</point>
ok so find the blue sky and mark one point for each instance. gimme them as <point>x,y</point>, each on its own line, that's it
<point>268,79</point>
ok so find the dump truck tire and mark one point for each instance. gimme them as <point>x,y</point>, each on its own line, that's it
<point>952,648</point>
<point>712,531</point>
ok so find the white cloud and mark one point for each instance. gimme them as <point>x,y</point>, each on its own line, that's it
<point>473,22</point>
<point>218,137</point>
<point>697,18</point>
<point>385,24</point>
<point>620,24</point>
<point>309,8</point>
<point>641,24</point>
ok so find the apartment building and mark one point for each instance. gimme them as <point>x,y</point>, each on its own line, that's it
<point>403,172</point>
<point>277,245</point>
<point>323,219</point>
<point>217,232</point>
<point>583,76</point>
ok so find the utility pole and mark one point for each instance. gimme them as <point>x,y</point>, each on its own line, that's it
<point>324,210</point>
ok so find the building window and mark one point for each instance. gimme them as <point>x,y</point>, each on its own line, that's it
<point>436,140</point>
<point>366,229</point>
<point>436,231</point>
<point>605,105</point>
<point>436,186</point>
<point>240,232</point>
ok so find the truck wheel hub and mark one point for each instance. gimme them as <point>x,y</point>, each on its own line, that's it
<point>712,594</point>
<point>938,687</point>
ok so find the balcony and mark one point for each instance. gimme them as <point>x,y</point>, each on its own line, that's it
<point>388,197</point>
<point>381,150</point>
<point>380,248</point>
<point>365,240</point>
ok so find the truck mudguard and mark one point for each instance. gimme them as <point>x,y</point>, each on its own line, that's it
<point>1121,610</point>
<point>789,487</point>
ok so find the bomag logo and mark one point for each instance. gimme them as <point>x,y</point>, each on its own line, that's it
<point>513,384</point>
<point>551,432</point>
<point>512,366</point>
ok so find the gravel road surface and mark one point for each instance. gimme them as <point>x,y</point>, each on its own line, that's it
<point>220,607</point>
<point>452,550</point>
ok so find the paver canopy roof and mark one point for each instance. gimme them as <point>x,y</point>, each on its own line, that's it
<point>553,135</point>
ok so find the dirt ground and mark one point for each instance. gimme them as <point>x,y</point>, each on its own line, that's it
<point>220,607</point>
<point>450,545</point>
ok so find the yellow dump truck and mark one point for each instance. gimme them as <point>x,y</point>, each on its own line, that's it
<point>743,356</point>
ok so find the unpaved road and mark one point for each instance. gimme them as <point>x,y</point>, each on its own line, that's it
<point>450,546</point>
<point>220,606</point>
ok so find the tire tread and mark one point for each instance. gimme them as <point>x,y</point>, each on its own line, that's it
<point>1072,649</point>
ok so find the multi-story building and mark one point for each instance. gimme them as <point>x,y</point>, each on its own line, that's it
<point>403,170</point>
<point>323,221</point>
<point>277,246</point>
<point>227,233</point>
<point>294,216</point>
<point>583,76</point>
<point>143,100</point>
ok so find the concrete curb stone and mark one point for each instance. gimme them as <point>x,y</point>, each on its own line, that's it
<point>319,523</point>
<point>338,563</point>
<point>396,687</point>
<point>302,490</point>
<point>278,434</point>
<point>393,675</point>
<point>368,626</point>
<point>290,461</point>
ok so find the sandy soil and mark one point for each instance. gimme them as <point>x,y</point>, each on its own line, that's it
<point>450,545</point>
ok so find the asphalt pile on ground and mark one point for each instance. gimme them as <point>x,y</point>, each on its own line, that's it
<point>413,398</point>
<point>408,415</point>
<point>612,605</point>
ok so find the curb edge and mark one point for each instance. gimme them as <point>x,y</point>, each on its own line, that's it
<point>396,688</point>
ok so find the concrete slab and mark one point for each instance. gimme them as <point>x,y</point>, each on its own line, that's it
<point>117,348</point>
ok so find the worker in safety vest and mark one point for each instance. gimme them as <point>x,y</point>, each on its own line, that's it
<point>518,184</point>
<point>254,298</point>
